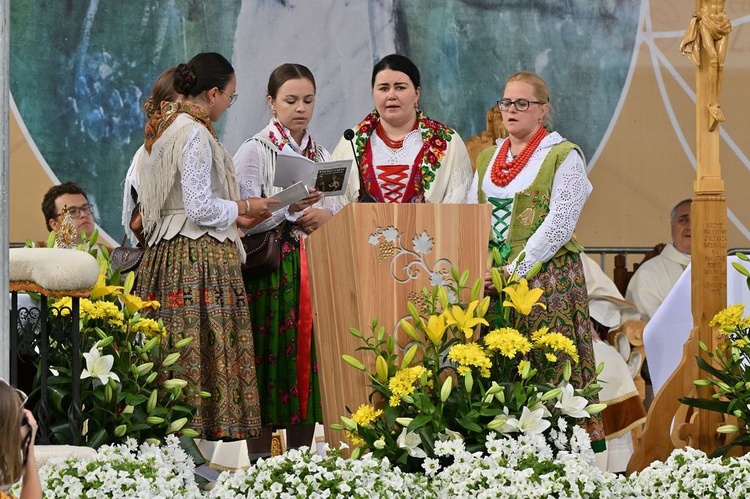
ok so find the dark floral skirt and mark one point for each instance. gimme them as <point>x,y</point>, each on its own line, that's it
<point>283,373</point>
<point>567,313</point>
<point>199,285</point>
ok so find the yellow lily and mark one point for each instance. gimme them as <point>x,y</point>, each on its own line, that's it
<point>465,320</point>
<point>435,328</point>
<point>135,303</point>
<point>522,298</point>
<point>101,288</point>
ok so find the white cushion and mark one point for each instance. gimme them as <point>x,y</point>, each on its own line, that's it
<point>44,453</point>
<point>52,271</point>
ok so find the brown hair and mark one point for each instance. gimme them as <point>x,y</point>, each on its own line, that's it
<point>163,90</point>
<point>541,92</point>
<point>11,457</point>
<point>48,203</point>
<point>203,72</point>
<point>284,73</point>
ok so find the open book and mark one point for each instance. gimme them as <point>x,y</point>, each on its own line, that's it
<point>330,178</point>
<point>292,194</point>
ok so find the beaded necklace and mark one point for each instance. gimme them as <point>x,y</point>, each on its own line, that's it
<point>503,172</point>
<point>392,144</point>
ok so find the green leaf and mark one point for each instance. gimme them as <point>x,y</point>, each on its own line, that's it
<point>721,375</point>
<point>56,395</point>
<point>98,439</point>
<point>710,405</point>
<point>419,421</point>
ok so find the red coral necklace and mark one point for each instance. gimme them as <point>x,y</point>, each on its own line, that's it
<point>392,144</point>
<point>503,172</point>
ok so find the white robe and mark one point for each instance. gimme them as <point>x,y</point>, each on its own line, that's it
<point>654,279</point>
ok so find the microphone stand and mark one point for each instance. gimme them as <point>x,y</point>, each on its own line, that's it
<point>364,196</point>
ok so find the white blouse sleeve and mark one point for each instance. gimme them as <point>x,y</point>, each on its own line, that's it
<point>200,205</point>
<point>570,189</point>
<point>248,161</point>
<point>472,195</point>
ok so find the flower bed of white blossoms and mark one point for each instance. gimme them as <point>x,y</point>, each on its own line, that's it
<point>298,473</point>
<point>125,470</point>
<point>521,467</point>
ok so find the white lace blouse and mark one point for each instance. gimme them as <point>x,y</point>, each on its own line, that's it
<point>200,206</point>
<point>570,189</point>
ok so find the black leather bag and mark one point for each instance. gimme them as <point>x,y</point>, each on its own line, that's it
<point>263,252</point>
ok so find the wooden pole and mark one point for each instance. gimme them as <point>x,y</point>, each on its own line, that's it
<point>705,44</point>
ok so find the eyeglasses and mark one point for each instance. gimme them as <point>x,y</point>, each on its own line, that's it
<point>79,211</point>
<point>232,98</point>
<point>521,104</point>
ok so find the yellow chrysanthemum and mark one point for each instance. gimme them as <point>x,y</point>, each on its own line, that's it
<point>740,343</point>
<point>539,333</point>
<point>108,311</point>
<point>354,439</point>
<point>508,341</point>
<point>556,342</point>
<point>731,317</point>
<point>470,355</point>
<point>147,327</point>
<point>551,357</point>
<point>366,414</point>
<point>403,383</point>
<point>522,298</point>
<point>64,304</point>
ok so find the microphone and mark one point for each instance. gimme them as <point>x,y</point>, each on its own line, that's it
<point>364,197</point>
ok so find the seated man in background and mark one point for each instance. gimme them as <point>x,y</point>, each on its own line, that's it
<point>73,196</point>
<point>654,279</point>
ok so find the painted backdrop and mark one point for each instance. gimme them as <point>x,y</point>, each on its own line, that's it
<point>81,70</point>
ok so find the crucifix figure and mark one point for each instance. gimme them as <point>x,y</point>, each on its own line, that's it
<point>710,28</point>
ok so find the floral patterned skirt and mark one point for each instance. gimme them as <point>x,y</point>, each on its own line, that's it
<point>199,286</point>
<point>274,301</point>
<point>567,313</point>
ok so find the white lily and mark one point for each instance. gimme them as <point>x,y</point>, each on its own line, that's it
<point>531,422</point>
<point>410,441</point>
<point>99,366</point>
<point>571,404</point>
<point>503,423</point>
<point>448,435</point>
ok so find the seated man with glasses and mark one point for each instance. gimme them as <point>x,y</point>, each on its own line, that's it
<point>73,196</point>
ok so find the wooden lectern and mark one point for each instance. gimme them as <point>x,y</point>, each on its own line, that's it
<point>366,263</point>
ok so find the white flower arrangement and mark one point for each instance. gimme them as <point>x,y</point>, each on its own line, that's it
<point>297,473</point>
<point>124,470</point>
<point>690,473</point>
<point>520,467</point>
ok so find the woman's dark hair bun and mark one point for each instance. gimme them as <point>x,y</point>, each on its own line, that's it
<point>184,79</point>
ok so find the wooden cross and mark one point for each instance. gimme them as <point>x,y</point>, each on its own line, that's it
<point>705,42</point>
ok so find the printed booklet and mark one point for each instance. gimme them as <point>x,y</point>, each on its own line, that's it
<point>330,178</point>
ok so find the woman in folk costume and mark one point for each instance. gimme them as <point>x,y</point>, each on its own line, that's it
<point>537,185</point>
<point>162,91</point>
<point>279,300</point>
<point>191,209</point>
<point>404,156</point>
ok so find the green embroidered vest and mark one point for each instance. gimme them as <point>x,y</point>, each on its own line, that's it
<point>531,205</point>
